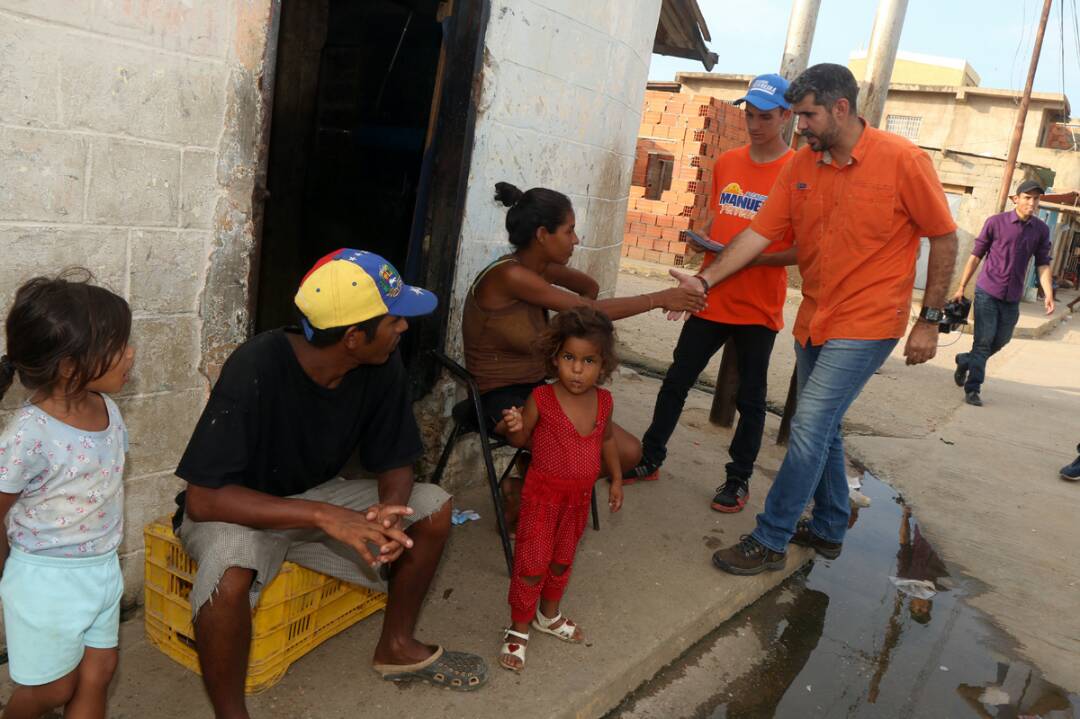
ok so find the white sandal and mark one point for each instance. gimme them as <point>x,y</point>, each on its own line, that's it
<point>513,649</point>
<point>564,631</point>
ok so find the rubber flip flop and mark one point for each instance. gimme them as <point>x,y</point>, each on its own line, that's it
<point>453,670</point>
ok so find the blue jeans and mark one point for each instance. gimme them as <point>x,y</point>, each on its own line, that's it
<point>830,377</point>
<point>995,321</point>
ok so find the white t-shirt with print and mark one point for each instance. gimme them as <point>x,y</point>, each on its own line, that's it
<point>71,483</point>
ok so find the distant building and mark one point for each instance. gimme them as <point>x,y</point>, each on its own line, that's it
<point>936,103</point>
<point>912,68</point>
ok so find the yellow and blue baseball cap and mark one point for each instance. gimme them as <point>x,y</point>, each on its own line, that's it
<point>766,92</point>
<point>348,286</point>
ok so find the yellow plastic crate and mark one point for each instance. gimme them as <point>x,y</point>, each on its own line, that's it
<point>298,611</point>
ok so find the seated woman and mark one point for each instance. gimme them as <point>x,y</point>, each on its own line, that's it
<point>506,308</point>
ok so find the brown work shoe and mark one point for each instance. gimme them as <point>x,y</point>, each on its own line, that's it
<point>804,537</point>
<point>748,557</point>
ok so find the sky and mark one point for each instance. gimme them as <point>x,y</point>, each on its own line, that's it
<point>994,36</point>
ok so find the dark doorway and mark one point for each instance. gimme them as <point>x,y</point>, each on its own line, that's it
<point>352,103</point>
<point>371,140</point>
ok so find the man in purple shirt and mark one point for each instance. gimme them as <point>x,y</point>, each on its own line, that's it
<point>1007,242</point>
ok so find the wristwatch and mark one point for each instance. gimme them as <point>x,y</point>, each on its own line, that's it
<point>931,314</point>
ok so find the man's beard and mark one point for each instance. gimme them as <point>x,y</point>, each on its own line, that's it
<point>825,141</point>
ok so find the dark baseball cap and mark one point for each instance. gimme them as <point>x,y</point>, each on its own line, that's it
<point>1030,187</point>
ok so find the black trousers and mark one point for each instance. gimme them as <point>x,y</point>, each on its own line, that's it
<point>698,342</point>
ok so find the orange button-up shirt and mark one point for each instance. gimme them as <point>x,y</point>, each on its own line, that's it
<point>857,231</point>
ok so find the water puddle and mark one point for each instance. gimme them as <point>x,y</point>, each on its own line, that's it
<point>860,636</point>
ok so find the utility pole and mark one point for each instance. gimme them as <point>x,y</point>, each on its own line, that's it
<point>800,36</point>
<point>1021,113</point>
<point>880,58</point>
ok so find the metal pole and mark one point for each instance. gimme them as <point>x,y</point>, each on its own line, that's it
<point>1021,113</point>
<point>800,36</point>
<point>880,58</point>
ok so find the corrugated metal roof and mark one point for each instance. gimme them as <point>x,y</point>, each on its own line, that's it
<point>682,32</point>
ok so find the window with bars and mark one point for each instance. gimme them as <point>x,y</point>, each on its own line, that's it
<point>904,125</point>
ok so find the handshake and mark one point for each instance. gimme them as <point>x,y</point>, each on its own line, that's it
<point>696,286</point>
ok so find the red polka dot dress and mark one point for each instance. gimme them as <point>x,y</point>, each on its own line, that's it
<point>555,502</point>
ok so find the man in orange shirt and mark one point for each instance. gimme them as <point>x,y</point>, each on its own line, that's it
<point>858,200</point>
<point>747,307</point>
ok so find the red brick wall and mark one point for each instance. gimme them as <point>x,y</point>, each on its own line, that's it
<point>694,129</point>
<point>1058,137</point>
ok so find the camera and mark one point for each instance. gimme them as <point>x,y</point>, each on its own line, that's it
<point>954,315</point>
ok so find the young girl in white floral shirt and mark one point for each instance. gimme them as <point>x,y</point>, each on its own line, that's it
<point>62,494</point>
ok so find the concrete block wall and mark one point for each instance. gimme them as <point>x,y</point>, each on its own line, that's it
<point>112,119</point>
<point>979,178</point>
<point>693,130</point>
<point>560,104</point>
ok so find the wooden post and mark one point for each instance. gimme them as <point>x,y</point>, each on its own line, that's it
<point>789,408</point>
<point>1021,112</point>
<point>727,386</point>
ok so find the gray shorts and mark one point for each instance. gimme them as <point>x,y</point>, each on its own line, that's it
<point>217,546</point>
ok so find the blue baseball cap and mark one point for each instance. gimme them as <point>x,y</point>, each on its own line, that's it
<point>766,92</point>
<point>349,286</point>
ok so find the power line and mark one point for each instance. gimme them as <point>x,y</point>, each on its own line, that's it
<point>1016,53</point>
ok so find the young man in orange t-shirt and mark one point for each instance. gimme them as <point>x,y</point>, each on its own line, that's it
<point>747,307</point>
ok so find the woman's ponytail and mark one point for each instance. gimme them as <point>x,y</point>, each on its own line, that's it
<point>507,194</point>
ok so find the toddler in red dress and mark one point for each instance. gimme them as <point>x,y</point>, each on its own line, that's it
<point>569,425</point>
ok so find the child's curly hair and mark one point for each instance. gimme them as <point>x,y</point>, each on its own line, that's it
<point>584,323</point>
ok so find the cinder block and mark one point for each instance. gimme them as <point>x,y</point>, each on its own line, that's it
<point>133,184</point>
<point>199,28</point>
<point>604,225</point>
<point>141,92</point>
<point>167,355</point>
<point>35,251</point>
<point>199,188</point>
<point>133,568</point>
<point>146,499</point>
<point>636,253</point>
<point>159,427</point>
<point>28,73</point>
<point>41,175</point>
<point>602,264</point>
<point>665,221</point>
<point>167,292</point>
<point>653,231</point>
<point>652,255</point>
<point>67,12</point>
